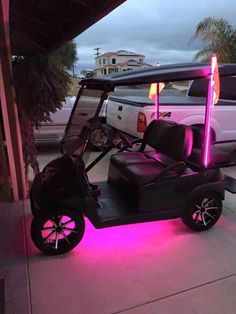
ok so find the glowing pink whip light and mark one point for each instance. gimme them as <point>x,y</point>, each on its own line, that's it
<point>212,98</point>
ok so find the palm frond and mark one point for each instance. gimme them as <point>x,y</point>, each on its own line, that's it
<point>218,36</point>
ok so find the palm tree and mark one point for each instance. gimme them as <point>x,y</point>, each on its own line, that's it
<point>218,37</point>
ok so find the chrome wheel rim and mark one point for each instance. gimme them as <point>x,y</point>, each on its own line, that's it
<point>205,212</point>
<point>98,138</point>
<point>59,230</point>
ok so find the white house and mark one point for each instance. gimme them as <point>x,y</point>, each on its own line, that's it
<point>121,60</point>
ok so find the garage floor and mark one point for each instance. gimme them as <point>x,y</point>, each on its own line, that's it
<point>158,267</point>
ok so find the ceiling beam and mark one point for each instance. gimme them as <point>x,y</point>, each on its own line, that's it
<point>35,21</point>
<point>85,5</point>
<point>52,23</point>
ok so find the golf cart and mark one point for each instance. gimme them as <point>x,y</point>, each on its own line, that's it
<point>166,178</point>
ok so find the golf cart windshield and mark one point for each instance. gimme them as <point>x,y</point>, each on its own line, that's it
<point>83,113</point>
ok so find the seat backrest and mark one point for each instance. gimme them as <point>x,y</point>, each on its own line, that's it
<point>170,138</point>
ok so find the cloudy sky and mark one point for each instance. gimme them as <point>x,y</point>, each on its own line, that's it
<point>160,30</point>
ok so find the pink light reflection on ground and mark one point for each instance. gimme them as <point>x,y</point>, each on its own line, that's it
<point>130,238</point>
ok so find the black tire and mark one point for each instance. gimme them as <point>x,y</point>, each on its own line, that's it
<point>99,139</point>
<point>34,210</point>
<point>35,194</point>
<point>203,211</point>
<point>57,232</point>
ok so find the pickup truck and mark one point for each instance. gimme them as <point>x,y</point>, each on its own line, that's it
<point>132,113</point>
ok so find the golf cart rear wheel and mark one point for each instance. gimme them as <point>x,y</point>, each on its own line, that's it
<point>57,232</point>
<point>202,212</point>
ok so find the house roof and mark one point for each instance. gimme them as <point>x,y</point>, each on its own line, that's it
<point>120,53</point>
<point>42,26</point>
<point>128,53</point>
<point>106,54</point>
<point>133,62</point>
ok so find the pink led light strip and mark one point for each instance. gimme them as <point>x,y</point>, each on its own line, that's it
<point>209,106</point>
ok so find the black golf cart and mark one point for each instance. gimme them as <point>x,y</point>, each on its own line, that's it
<point>168,177</point>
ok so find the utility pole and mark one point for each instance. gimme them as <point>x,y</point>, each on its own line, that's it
<point>97,53</point>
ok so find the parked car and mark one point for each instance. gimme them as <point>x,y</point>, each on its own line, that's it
<point>54,130</point>
<point>131,114</point>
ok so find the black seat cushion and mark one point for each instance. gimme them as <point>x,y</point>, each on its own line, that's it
<point>169,138</point>
<point>217,157</point>
<point>141,174</point>
<point>130,158</point>
<point>155,132</point>
<point>122,159</point>
<point>175,140</point>
<point>162,158</point>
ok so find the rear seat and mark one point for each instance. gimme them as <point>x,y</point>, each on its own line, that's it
<point>170,142</point>
<point>217,157</point>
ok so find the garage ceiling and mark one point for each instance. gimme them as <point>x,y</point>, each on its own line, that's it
<point>42,26</point>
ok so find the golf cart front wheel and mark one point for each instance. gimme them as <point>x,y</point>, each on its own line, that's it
<point>57,232</point>
<point>202,212</point>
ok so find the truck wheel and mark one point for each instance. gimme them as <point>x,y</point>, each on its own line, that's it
<point>57,232</point>
<point>202,212</point>
<point>99,139</point>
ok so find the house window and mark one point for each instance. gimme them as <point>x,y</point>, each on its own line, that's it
<point>100,61</point>
<point>113,60</point>
<point>103,61</point>
<point>105,71</point>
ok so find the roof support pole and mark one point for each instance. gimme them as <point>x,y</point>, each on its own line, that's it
<point>9,108</point>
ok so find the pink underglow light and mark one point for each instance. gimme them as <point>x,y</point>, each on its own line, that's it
<point>128,240</point>
<point>209,105</point>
